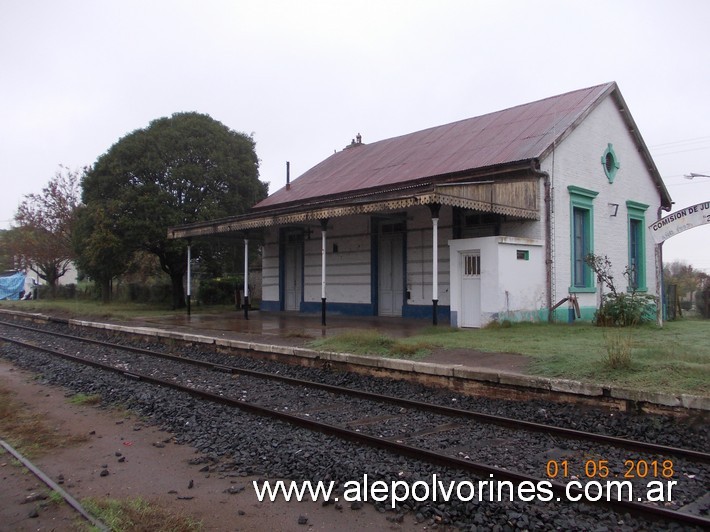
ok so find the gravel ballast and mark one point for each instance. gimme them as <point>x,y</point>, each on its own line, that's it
<point>243,444</point>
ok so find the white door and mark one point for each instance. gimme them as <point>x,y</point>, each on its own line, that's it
<point>471,289</point>
<point>390,274</point>
<point>293,264</point>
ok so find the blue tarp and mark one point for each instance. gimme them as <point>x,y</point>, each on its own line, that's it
<point>11,286</point>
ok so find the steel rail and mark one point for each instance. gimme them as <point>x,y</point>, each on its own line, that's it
<point>560,489</point>
<point>616,441</point>
<point>71,501</point>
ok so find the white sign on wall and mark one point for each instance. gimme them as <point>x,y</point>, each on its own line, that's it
<point>680,221</point>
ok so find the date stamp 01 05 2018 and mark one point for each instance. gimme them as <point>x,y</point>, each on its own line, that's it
<point>658,488</point>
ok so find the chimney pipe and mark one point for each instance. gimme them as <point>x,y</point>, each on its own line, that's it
<point>288,175</point>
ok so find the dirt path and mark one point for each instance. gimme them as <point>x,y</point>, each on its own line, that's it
<point>143,462</point>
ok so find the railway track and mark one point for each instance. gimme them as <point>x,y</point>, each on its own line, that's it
<point>73,503</point>
<point>457,439</point>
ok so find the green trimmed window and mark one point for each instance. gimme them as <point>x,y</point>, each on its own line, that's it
<point>637,245</point>
<point>582,237</point>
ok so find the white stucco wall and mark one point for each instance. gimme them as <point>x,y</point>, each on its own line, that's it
<point>270,265</point>
<point>521,282</point>
<point>420,253</point>
<point>577,161</point>
<point>510,288</point>
<point>347,269</point>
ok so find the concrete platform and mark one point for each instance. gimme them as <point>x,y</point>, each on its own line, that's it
<point>285,324</point>
<point>297,329</point>
<point>286,334</point>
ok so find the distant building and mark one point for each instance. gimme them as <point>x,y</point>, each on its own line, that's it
<point>32,279</point>
<point>510,204</point>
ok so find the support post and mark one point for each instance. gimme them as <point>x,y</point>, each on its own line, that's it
<point>435,207</point>
<point>246,278</point>
<point>324,228</point>
<point>658,253</point>
<point>189,275</point>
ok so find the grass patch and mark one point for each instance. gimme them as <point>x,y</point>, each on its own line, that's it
<point>92,309</point>
<point>55,498</point>
<point>372,342</point>
<point>674,358</point>
<point>358,342</point>
<point>138,515</point>
<point>298,334</point>
<point>27,431</point>
<point>410,349</point>
<point>121,410</point>
<point>618,346</point>
<point>83,399</point>
<point>439,330</point>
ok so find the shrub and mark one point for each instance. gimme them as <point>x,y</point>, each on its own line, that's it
<point>618,308</point>
<point>220,290</point>
<point>61,291</point>
<point>138,292</point>
<point>623,310</point>
<point>160,293</point>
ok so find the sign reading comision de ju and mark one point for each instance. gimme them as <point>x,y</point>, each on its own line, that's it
<point>680,221</point>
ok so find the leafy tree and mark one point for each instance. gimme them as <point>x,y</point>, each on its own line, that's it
<point>686,277</point>
<point>182,169</point>
<point>42,238</point>
<point>101,253</point>
<point>7,260</point>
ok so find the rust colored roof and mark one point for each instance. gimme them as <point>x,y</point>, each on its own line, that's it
<point>521,133</point>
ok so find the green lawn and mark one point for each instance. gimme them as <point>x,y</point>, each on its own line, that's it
<point>81,308</point>
<point>674,358</point>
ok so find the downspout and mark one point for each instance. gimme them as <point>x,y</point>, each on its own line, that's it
<point>534,167</point>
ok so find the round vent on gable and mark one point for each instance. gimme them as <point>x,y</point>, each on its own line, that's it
<point>610,163</point>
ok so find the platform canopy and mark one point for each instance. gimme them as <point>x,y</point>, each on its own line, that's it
<point>514,198</point>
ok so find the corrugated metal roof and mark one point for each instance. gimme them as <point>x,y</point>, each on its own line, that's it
<point>409,168</point>
<point>512,135</point>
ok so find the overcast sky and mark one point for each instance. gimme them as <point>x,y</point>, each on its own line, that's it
<point>304,77</point>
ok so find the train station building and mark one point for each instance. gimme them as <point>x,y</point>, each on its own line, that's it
<point>488,218</point>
